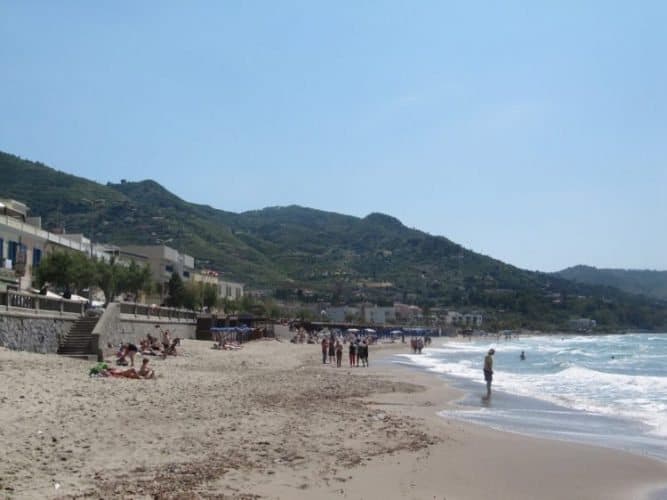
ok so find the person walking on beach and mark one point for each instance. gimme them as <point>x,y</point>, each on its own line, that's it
<point>488,371</point>
<point>353,352</point>
<point>332,349</point>
<point>364,354</point>
<point>339,353</point>
<point>325,349</point>
<point>357,351</point>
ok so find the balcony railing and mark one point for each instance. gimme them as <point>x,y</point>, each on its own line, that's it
<point>37,304</point>
<point>145,311</point>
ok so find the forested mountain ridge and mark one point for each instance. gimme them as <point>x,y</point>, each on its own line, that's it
<point>312,255</point>
<point>643,282</point>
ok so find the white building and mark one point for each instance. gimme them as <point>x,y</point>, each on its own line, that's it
<point>341,314</point>
<point>467,319</point>
<point>378,315</point>
<point>162,260</point>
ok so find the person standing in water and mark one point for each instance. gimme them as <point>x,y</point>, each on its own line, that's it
<point>488,371</point>
<point>523,356</point>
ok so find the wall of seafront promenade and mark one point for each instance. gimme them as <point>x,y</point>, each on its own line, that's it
<point>34,333</point>
<point>116,327</point>
<point>42,331</point>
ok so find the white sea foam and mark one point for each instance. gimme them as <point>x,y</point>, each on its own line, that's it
<point>577,373</point>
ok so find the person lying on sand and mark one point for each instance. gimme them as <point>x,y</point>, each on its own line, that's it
<point>227,345</point>
<point>144,371</point>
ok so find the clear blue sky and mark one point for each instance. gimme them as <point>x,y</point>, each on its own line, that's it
<point>534,132</point>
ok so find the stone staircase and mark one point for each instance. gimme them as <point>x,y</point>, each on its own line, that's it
<point>77,343</point>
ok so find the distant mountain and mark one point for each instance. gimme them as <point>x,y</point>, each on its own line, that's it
<point>642,282</point>
<point>312,255</point>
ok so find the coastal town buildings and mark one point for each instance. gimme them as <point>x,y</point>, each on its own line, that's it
<point>407,313</point>
<point>23,242</point>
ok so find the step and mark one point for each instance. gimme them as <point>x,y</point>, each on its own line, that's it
<point>88,357</point>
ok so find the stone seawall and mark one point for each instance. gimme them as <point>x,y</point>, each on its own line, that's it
<point>33,333</point>
<point>43,333</point>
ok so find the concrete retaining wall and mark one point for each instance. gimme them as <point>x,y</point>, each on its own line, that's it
<point>33,333</point>
<point>115,328</point>
<point>40,333</point>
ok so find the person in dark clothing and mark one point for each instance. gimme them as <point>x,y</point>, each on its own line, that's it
<point>128,351</point>
<point>364,353</point>
<point>353,353</point>
<point>488,371</point>
<point>325,350</point>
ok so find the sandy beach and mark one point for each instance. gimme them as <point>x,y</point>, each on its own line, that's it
<point>270,421</point>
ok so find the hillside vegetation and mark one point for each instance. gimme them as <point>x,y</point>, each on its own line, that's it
<point>642,282</point>
<point>311,255</point>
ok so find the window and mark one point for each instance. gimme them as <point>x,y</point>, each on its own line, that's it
<point>12,247</point>
<point>2,251</point>
<point>36,257</point>
<point>169,268</point>
<point>186,274</point>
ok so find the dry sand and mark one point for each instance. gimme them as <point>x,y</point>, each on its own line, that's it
<point>270,421</point>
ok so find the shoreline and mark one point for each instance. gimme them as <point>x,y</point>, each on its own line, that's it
<point>270,421</point>
<point>537,418</point>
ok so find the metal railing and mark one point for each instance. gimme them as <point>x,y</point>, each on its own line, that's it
<point>156,312</point>
<point>37,304</point>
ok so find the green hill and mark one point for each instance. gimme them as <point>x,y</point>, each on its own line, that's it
<point>312,255</point>
<point>642,282</point>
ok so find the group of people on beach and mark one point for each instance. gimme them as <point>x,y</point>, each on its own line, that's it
<point>149,346</point>
<point>332,349</point>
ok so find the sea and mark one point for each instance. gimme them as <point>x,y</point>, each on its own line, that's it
<point>606,390</point>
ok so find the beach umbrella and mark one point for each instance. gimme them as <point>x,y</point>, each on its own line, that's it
<point>396,332</point>
<point>369,330</point>
<point>352,330</point>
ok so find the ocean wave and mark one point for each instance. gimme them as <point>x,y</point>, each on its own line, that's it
<point>640,398</point>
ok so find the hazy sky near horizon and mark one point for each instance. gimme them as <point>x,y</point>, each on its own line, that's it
<point>533,132</point>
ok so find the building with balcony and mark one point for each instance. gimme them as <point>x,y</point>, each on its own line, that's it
<point>23,242</point>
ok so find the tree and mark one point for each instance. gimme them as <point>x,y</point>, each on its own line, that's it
<point>110,278</point>
<point>134,279</point>
<point>192,296</point>
<point>209,295</point>
<point>66,271</point>
<point>176,290</point>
